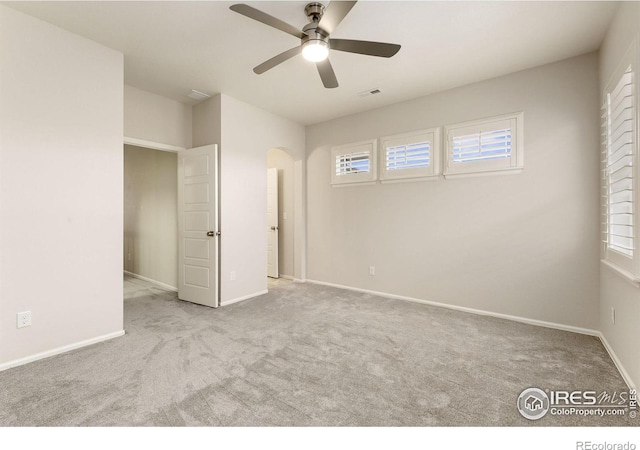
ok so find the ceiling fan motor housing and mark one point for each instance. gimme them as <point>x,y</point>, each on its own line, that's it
<point>311,32</point>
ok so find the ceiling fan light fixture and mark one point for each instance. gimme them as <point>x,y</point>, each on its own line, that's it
<point>315,50</point>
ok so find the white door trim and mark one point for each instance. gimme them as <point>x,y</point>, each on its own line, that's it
<point>152,145</point>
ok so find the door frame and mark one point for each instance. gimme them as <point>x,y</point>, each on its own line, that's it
<point>141,143</point>
<point>152,145</point>
<point>299,211</point>
<point>175,149</point>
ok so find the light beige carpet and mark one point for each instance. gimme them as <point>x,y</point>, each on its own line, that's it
<point>306,355</point>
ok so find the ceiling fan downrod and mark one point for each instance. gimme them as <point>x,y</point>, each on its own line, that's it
<point>314,11</point>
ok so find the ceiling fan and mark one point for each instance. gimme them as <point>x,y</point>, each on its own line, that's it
<point>315,41</point>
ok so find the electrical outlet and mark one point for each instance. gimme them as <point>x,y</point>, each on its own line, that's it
<point>372,270</point>
<point>232,275</point>
<point>613,315</point>
<point>23,319</point>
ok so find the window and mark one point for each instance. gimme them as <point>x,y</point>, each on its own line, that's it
<point>411,155</point>
<point>619,170</point>
<point>481,146</point>
<point>354,163</point>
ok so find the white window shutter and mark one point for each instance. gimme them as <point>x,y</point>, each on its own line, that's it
<point>604,180</point>
<point>483,146</point>
<point>354,163</point>
<point>494,144</point>
<point>619,172</point>
<point>410,155</point>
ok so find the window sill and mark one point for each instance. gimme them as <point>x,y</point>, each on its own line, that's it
<point>628,277</point>
<point>514,171</point>
<point>409,179</point>
<point>353,184</point>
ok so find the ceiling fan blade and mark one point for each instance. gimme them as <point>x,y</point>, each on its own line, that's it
<point>327,74</point>
<point>334,13</point>
<point>370,48</point>
<point>265,18</point>
<point>282,57</point>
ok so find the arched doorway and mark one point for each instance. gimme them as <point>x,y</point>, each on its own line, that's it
<point>281,165</point>
<point>290,214</point>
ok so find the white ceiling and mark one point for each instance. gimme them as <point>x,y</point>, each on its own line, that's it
<point>173,47</point>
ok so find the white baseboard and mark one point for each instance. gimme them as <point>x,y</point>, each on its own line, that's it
<point>246,297</point>
<point>59,350</point>
<point>165,286</point>
<point>541,323</point>
<point>286,277</point>
<point>616,361</point>
<point>480,312</point>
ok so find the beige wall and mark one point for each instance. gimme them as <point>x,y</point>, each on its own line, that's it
<point>150,214</point>
<point>61,119</point>
<point>150,227</point>
<point>283,162</point>
<point>615,291</point>
<point>158,119</point>
<point>207,122</point>
<point>247,133</point>
<point>523,245</point>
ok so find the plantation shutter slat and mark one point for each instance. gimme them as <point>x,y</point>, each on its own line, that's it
<point>625,81</point>
<point>402,158</point>
<point>623,184</point>
<point>621,163</point>
<point>623,118</point>
<point>619,208</point>
<point>624,172</point>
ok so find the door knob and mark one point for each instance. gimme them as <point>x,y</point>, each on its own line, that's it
<point>274,228</point>
<point>213,233</point>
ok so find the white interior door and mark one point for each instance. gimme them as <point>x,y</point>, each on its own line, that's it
<point>198,230</point>
<point>272,223</point>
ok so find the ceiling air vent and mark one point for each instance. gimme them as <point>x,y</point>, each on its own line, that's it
<point>197,95</point>
<point>369,92</point>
